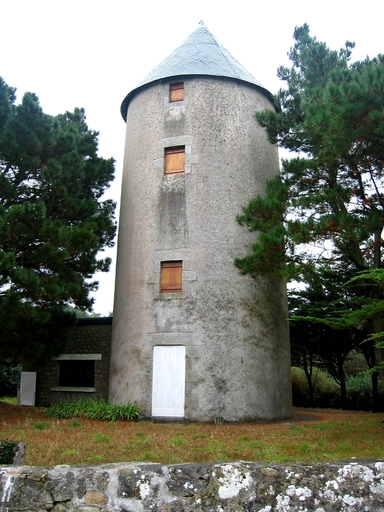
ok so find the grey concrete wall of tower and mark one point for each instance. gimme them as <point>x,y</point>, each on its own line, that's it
<point>234,328</point>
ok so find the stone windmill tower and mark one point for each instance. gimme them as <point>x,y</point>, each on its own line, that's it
<point>192,337</point>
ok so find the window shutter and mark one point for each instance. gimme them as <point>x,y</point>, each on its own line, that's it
<point>174,160</point>
<point>171,276</point>
<point>176,92</point>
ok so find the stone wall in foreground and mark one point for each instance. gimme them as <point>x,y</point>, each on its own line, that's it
<point>238,486</point>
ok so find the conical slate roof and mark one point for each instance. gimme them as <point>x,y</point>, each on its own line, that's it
<point>200,54</point>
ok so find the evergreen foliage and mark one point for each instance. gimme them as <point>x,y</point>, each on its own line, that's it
<point>9,378</point>
<point>325,214</point>
<point>315,343</point>
<point>53,223</point>
<point>360,395</point>
<point>7,451</point>
<point>326,393</point>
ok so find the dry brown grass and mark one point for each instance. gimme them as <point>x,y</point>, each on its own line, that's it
<point>312,434</point>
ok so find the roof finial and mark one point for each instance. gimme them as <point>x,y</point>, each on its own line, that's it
<point>201,22</point>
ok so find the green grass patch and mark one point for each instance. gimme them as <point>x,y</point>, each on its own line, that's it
<point>9,399</point>
<point>141,443</point>
<point>96,458</point>
<point>305,447</point>
<point>41,425</point>
<point>199,435</point>
<point>148,455</point>
<point>101,438</point>
<point>178,440</point>
<point>324,427</point>
<point>74,424</point>
<point>70,453</point>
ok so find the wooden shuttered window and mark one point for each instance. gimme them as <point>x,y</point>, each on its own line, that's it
<point>171,276</point>
<point>176,92</point>
<point>174,160</point>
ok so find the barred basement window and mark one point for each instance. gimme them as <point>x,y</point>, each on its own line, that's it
<point>174,160</point>
<point>176,92</point>
<point>77,374</point>
<point>171,276</point>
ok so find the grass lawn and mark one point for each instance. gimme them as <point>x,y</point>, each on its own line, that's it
<point>311,435</point>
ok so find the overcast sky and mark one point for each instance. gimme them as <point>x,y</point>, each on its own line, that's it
<point>82,53</point>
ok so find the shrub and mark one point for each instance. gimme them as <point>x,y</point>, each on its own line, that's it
<point>65,410</point>
<point>355,363</point>
<point>93,410</point>
<point>326,390</point>
<point>7,451</point>
<point>359,392</point>
<point>9,378</point>
<point>300,389</point>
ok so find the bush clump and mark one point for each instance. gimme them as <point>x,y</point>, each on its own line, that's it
<point>9,378</point>
<point>93,410</point>
<point>7,451</point>
<point>360,394</point>
<point>326,391</point>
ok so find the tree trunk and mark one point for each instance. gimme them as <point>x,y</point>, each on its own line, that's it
<point>343,384</point>
<point>375,392</point>
<point>378,327</point>
<point>308,370</point>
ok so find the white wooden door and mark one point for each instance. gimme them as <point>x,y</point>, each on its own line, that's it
<point>27,388</point>
<point>168,383</point>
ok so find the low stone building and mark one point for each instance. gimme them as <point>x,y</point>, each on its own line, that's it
<point>83,371</point>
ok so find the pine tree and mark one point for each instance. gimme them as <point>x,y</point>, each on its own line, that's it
<point>327,208</point>
<point>317,338</point>
<point>53,223</point>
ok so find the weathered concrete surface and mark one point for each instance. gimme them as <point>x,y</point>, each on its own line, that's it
<point>135,487</point>
<point>234,328</point>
